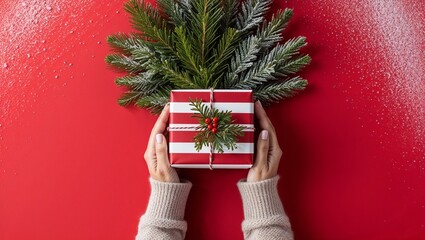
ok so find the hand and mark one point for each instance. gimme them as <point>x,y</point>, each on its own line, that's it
<point>156,154</point>
<point>268,150</point>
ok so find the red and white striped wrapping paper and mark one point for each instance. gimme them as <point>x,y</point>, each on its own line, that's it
<point>181,145</point>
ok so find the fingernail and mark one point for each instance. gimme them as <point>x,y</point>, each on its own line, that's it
<point>166,105</point>
<point>264,134</point>
<point>159,138</point>
<point>259,103</point>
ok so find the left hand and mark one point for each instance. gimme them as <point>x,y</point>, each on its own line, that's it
<point>268,149</point>
<point>156,154</point>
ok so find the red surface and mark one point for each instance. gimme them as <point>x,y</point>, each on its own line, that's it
<point>71,159</point>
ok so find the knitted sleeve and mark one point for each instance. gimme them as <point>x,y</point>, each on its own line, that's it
<point>164,215</point>
<point>263,210</point>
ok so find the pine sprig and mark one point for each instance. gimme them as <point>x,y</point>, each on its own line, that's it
<point>276,91</point>
<point>278,62</point>
<point>120,61</point>
<point>224,135</point>
<point>271,32</point>
<point>156,101</point>
<point>252,14</point>
<point>174,11</point>
<point>206,44</point>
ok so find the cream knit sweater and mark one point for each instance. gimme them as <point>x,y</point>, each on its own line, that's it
<point>264,214</point>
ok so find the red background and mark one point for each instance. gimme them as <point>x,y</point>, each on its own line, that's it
<point>71,159</point>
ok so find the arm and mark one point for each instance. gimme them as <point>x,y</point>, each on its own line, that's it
<point>265,217</point>
<point>163,218</point>
<point>164,215</point>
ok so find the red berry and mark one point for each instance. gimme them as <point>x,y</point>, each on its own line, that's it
<point>215,120</point>
<point>210,127</point>
<point>214,130</point>
<point>215,125</point>
<point>207,120</point>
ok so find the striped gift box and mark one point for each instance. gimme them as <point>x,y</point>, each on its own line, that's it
<point>182,129</point>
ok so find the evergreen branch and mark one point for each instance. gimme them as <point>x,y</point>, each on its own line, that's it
<point>205,22</point>
<point>124,43</point>
<point>129,97</point>
<point>185,51</point>
<point>145,56</point>
<point>276,91</point>
<point>292,47</point>
<point>271,32</point>
<point>123,62</point>
<point>145,18</point>
<point>243,58</point>
<point>252,14</point>
<point>174,11</point>
<point>222,54</point>
<point>293,66</point>
<point>231,8</point>
<point>156,101</point>
<point>270,66</point>
<point>186,6</point>
<point>149,22</point>
<point>179,79</point>
<point>145,82</point>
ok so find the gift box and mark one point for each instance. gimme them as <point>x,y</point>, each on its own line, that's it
<point>182,129</point>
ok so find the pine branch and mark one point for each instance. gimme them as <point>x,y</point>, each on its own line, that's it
<point>145,18</point>
<point>186,6</point>
<point>270,66</point>
<point>276,91</point>
<point>123,62</point>
<point>243,59</point>
<point>156,101</point>
<point>180,79</point>
<point>185,51</point>
<point>222,54</point>
<point>146,82</point>
<point>271,32</point>
<point>205,24</point>
<point>252,14</point>
<point>129,97</point>
<point>231,8</point>
<point>149,22</point>
<point>174,11</point>
<point>293,66</point>
<point>124,43</point>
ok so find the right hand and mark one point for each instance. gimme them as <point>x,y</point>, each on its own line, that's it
<point>268,150</point>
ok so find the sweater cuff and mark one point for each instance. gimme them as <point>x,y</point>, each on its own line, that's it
<point>260,199</point>
<point>168,200</point>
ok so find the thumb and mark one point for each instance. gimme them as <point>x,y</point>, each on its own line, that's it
<point>262,149</point>
<point>161,151</point>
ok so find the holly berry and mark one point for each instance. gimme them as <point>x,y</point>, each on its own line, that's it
<point>214,130</point>
<point>215,120</point>
<point>215,125</point>
<point>210,127</point>
<point>207,120</point>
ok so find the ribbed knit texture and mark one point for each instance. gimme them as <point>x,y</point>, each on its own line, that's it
<point>264,214</point>
<point>263,210</point>
<point>168,200</point>
<point>164,215</point>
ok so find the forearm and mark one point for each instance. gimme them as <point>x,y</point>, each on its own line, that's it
<point>164,216</point>
<point>265,217</point>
